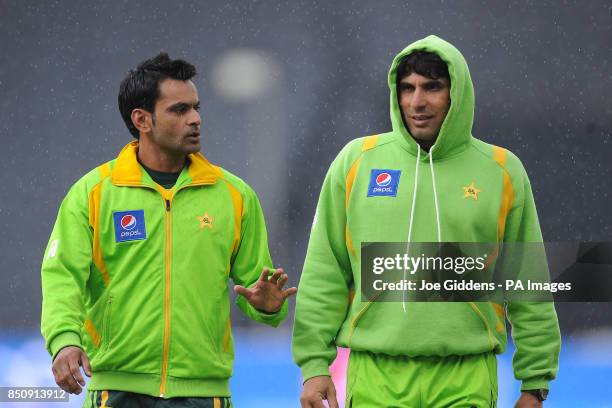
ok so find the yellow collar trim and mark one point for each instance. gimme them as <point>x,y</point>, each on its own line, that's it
<point>127,171</point>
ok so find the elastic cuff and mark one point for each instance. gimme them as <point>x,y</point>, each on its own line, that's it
<point>63,340</point>
<point>271,319</point>
<point>537,383</point>
<point>267,315</point>
<point>314,368</point>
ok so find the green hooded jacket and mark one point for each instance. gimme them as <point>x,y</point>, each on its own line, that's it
<point>329,310</point>
<point>137,276</point>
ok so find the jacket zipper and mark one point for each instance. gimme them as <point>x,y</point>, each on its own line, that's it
<point>167,267</point>
<point>168,263</point>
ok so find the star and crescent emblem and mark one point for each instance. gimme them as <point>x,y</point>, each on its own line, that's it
<point>471,191</point>
<point>206,221</point>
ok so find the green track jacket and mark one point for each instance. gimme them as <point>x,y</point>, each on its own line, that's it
<point>483,195</point>
<point>137,275</point>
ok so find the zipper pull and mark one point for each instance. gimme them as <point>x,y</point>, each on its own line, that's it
<point>167,205</point>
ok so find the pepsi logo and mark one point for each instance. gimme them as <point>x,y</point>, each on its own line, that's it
<point>128,222</point>
<point>129,226</point>
<point>383,179</point>
<point>384,182</point>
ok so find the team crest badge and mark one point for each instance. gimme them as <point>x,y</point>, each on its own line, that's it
<point>471,191</point>
<point>206,221</point>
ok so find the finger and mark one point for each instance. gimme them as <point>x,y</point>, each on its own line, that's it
<point>63,385</point>
<point>312,402</point>
<point>86,365</point>
<point>75,378</point>
<point>277,274</point>
<point>61,373</point>
<point>68,383</point>
<point>58,377</point>
<point>289,292</point>
<point>76,372</point>
<point>305,403</point>
<point>264,275</point>
<point>329,394</point>
<point>331,398</point>
<point>282,280</point>
<point>318,403</point>
<point>241,290</point>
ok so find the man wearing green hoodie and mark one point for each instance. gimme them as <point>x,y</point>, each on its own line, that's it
<point>135,275</point>
<point>439,184</point>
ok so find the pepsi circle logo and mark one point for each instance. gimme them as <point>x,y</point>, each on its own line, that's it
<point>383,179</point>
<point>128,222</point>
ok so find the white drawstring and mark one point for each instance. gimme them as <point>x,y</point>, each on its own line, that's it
<point>414,194</point>
<point>433,181</point>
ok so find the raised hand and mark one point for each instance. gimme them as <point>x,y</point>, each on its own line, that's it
<point>267,295</point>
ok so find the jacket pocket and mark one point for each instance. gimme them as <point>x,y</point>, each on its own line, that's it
<point>221,340</point>
<point>352,376</point>
<point>106,323</point>
<point>490,361</point>
<point>356,318</point>
<point>227,337</point>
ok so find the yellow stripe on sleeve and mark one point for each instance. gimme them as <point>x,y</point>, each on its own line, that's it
<point>499,155</point>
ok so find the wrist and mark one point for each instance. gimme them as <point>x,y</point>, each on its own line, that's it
<point>63,340</point>
<point>541,394</point>
<point>317,377</point>
<point>268,312</point>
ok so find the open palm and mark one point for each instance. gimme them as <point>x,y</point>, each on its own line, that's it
<point>267,295</point>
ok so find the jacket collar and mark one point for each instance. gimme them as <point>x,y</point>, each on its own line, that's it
<point>127,170</point>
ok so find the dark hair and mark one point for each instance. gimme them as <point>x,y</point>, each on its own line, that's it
<point>140,87</point>
<point>424,63</point>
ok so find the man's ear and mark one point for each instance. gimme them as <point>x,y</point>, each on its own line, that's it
<point>142,120</point>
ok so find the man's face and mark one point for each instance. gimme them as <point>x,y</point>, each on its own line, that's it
<point>424,103</point>
<point>176,127</point>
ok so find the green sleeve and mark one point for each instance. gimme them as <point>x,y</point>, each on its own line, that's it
<point>535,329</point>
<point>65,271</point>
<point>322,298</point>
<point>252,256</point>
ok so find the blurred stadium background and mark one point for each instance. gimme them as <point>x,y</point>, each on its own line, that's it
<point>284,85</point>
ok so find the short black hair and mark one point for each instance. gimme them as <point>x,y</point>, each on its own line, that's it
<point>424,63</point>
<point>140,87</point>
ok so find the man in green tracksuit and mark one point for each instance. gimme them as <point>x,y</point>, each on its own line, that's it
<point>428,180</point>
<point>135,275</point>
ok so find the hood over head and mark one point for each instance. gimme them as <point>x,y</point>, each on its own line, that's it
<point>456,130</point>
